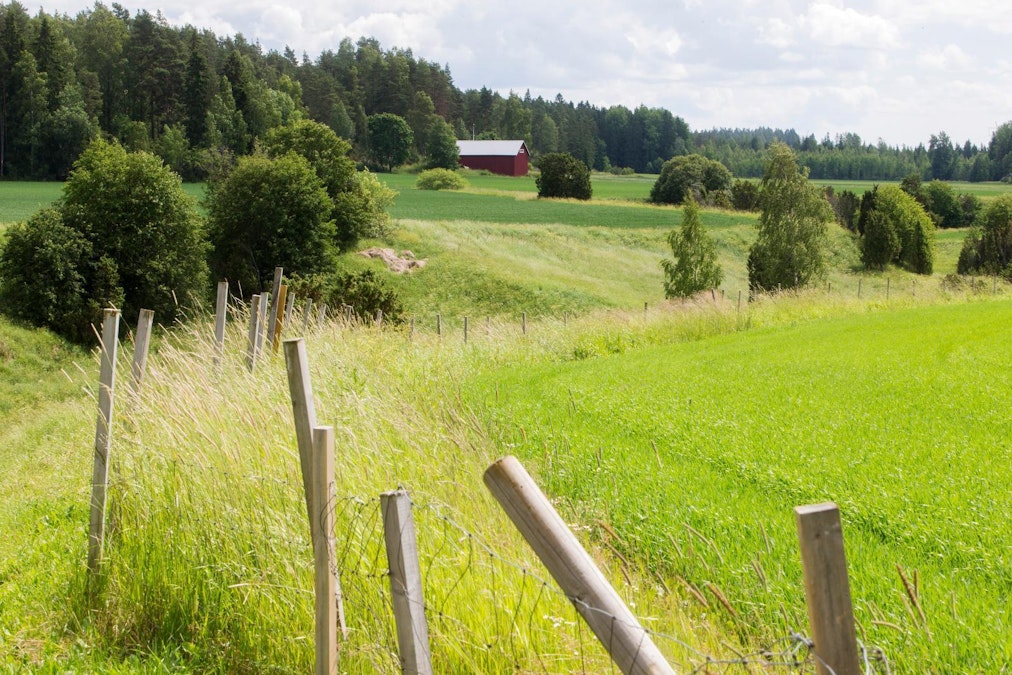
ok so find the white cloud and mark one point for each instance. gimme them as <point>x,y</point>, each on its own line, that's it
<point>834,26</point>
<point>950,57</point>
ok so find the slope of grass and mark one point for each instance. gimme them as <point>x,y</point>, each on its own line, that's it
<point>694,456</point>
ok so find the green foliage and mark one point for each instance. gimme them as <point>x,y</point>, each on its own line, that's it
<point>440,179</point>
<point>442,152</point>
<point>845,205</point>
<point>268,213</point>
<point>694,267</point>
<point>942,203</point>
<point>390,140</point>
<point>563,177</point>
<point>988,246</point>
<point>364,291</point>
<point>124,234</point>
<point>913,228</point>
<point>51,277</point>
<point>790,250</point>
<point>691,176</point>
<point>745,195</point>
<point>881,243</point>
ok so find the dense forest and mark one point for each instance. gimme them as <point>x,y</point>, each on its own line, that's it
<point>199,100</point>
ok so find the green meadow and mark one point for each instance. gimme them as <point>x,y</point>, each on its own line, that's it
<point>675,437</point>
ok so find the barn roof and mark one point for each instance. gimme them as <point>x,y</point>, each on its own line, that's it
<point>490,148</point>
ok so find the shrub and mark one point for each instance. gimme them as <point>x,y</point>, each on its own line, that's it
<point>52,278</point>
<point>987,247</point>
<point>366,292</point>
<point>124,233</point>
<point>440,179</point>
<point>690,176</point>
<point>745,195</point>
<point>911,226</point>
<point>268,213</point>
<point>563,176</point>
<point>694,266</point>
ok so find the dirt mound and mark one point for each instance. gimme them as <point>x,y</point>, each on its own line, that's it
<point>399,264</point>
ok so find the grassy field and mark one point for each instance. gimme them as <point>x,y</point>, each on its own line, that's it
<point>676,439</point>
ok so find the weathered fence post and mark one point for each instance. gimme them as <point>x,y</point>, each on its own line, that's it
<point>278,318</point>
<point>289,308</point>
<point>379,318</point>
<point>275,301</point>
<point>142,340</point>
<point>306,315</point>
<point>103,437</point>
<point>324,563</point>
<point>262,323</point>
<point>439,325</point>
<point>254,318</point>
<point>465,330</point>
<point>406,583</point>
<point>565,318</point>
<point>303,411</point>
<point>523,323</point>
<point>321,315</point>
<point>887,287</point>
<point>859,288</point>
<point>571,566</point>
<point>739,301</point>
<point>827,589</point>
<point>220,312</point>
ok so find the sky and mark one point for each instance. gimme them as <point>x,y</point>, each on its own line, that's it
<point>889,70</point>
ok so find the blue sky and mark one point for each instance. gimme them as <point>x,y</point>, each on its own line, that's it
<point>885,69</point>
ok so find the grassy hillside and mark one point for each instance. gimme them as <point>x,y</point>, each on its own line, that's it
<point>641,425</point>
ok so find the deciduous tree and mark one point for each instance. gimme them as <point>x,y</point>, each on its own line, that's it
<point>694,266</point>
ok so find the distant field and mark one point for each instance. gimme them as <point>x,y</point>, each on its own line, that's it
<point>985,191</point>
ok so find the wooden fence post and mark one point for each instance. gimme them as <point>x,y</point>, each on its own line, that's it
<point>300,390</point>
<point>324,563</point>
<point>439,325</point>
<point>523,323</point>
<point>142,340</point>
<point>827,589</point>
<point>278,318</point>
<point>859,288</point>
<point>379,318</point>
<point>262,323</point>
<point>306,315</point>
<point>254,318</point>
<point>103,437</point>
<point>739,301</point>
<point>406,583</point>
<point>220,311</point>
<point>887,287</point>
<point>321,315</point>
<point>465,330</point>
<point>571,566</point>
<point>289,308</point>
<point>275,301</point>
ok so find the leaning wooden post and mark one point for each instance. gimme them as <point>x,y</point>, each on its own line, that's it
<point>406,583</point>
<point>300,390</point>
<point>571,566</point>
<point>254,317</point>
<point>276,300</point>
<point>261,323</point>
<point>220,312</point>
<point>103,438</point>
<point>827,589</point>
<point>324,564</point>
<point>739,301</point>
<point>141,343</point>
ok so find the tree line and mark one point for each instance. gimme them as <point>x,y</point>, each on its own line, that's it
<point>199,100</point>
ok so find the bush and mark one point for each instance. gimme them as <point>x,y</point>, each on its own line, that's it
<point>690,176</point>
<point>563,176</point>
<point>987,248</point>
<point>366,292</point>
<point>745,195</point>
<point>897,223</point>
<point>125,233</point>
<point>440,179</point>
<point>52,278</point>
<point>269,213</point>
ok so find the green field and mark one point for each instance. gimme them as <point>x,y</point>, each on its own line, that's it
<point>676,438</point>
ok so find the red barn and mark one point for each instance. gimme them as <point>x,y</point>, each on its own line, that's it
<point>508,158</point>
